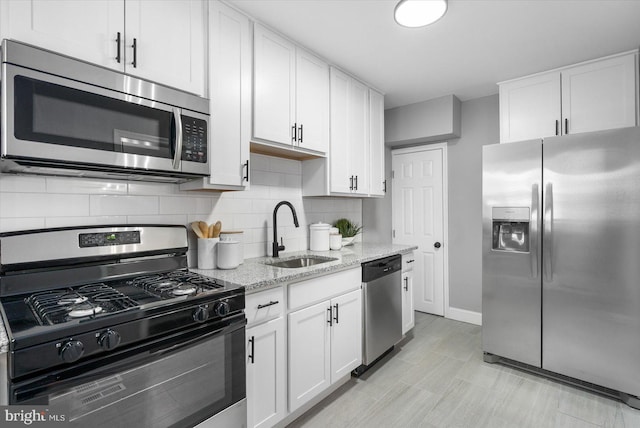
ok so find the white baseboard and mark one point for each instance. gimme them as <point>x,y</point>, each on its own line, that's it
<point>464,315</point>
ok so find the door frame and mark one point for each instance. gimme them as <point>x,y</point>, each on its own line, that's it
<point>445,210</point>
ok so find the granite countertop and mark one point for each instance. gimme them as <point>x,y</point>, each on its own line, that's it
<point>255,274</point>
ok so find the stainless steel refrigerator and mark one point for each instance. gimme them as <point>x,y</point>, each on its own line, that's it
<point>561,257</point>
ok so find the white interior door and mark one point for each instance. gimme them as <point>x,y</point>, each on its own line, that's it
<point>418,219</point>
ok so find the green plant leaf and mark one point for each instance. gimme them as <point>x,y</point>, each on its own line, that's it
<point>347,228</point>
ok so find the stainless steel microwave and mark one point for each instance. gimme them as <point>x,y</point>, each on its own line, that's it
<point>63,116</point>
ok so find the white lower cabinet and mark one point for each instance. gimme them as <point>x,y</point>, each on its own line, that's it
<point>266,403</point>
<point>309,353</point>
<point>318,344</point>
<point>408,314</point>
<point>325,339</point>
<point>325,344</point>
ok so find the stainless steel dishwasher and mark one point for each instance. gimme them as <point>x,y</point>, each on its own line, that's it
<point>382,308</point>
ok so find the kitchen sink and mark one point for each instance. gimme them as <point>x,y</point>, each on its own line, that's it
<point>300,262</point>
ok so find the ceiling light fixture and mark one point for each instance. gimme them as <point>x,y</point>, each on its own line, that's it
<point>418,13</point>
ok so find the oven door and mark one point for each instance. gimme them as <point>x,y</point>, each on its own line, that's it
<point>51,120</point>
<point>178,381</point>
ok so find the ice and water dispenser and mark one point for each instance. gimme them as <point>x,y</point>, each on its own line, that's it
<point>510,229</point>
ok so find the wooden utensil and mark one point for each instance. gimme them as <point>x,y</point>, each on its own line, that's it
<point>204,229</point>
<point>210,231</point>
<point>196,229</point>
<point>216,229</point>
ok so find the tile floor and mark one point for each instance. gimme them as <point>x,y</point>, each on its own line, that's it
<point>436,378</point>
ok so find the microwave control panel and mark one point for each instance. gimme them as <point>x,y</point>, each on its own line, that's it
<point>194,139</point>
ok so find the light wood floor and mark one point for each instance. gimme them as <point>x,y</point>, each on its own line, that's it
<point>436,378</point>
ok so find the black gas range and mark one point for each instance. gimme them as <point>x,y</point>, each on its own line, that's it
<point>87,303</point>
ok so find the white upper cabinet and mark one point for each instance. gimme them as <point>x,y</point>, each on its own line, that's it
<point>349,147</point>
<point>274,86</point>
<point>291,94</point>
<point>312,101</point>
<point>355,166</point>
<point>169,39</point>
<point>530,108</point>
<point>169,35</point>
<point>599,95</point>
<point>592,96</point>
<point>84,30</point>
<point>230,68</point>
<point>378,185</point>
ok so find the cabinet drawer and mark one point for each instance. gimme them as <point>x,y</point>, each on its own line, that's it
<point>264,305</point>
<point>324,287</point>
<point>408,260</point>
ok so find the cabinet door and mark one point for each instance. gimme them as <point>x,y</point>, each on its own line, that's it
<point>530,108</point>
<point>274,87</point>
<point>376,143</point>
<point>170,42</point>
<point>84,30</point>
<point>230,92</point>
<point>312,102</point>
<point>346,334</point>
<point>309,353</point>
<point>340,176</point>
<point>599,95</point>
<point>266,374</point>
<point>408,320</point>
<point>358,123</point>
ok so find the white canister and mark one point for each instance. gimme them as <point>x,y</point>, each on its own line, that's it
<point>207,253</point>
<point>228,254</point>
<point>235,235</point>
<point>335,241</point>
<point>319,236</point>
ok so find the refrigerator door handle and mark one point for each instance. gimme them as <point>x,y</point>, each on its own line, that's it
<point>533,232</point>
<point>547,248</point>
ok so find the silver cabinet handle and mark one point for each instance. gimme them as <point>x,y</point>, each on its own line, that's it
<point>533,230</point>
<point>178,146</point>
<point>548,233</point>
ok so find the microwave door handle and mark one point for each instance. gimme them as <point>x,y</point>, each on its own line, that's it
<point>178,141</point>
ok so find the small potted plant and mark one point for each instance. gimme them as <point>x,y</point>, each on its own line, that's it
<point>347,229</point>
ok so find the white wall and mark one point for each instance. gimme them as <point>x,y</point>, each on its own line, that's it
<point>31,202</point>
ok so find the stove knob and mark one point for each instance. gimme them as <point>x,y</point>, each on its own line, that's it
<point>201,314</point>
<point>71,351</point>
<point>109,340</point>
<point>222,308</point>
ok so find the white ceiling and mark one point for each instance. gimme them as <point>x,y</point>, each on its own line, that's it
<point>476,44</point>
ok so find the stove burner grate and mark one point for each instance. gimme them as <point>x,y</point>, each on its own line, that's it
<point>58,306</point>
<point>175,284</point>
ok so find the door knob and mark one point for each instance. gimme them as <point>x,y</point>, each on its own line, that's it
<point>437,245</point>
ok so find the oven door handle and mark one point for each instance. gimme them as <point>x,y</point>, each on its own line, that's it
<point>177,144</point>
<point>88,371</point>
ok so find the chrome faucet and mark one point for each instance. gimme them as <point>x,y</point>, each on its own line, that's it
<point>280,247</point>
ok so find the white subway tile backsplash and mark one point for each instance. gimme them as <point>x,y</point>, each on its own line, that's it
<point>84,221</point>
<point>28,202</point>
<point>85,186</point>
<point>22,183</point>
<point>156,219</point>
<point>184,205</point>
<point>43,205</point>
<point>144,188</point>
<point>124,205</point>
<point>285,166</point>
<point>22,223</point>
<point>259,162</point>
